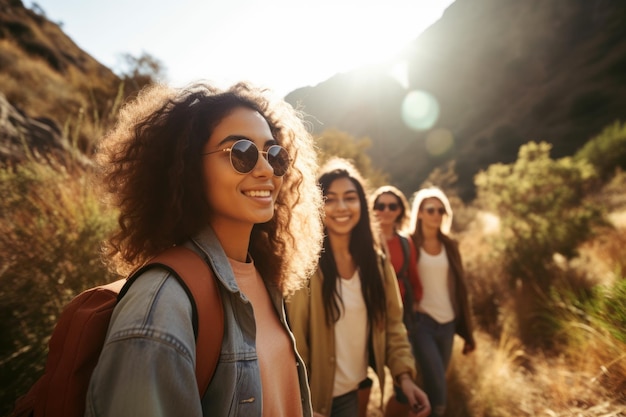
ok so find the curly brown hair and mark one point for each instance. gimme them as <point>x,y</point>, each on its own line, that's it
<point>151,166</point>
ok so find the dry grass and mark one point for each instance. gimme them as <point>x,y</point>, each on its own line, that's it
<point>46,75</point>
<point>52,224</point>
<point>500,379</point>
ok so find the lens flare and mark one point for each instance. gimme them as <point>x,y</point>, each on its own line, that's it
<point>420,110</point>
<point>439,141</point>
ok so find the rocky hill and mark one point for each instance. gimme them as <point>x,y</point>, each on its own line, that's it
<point>499,73</point>
<point>503,72</point>
<point>50,82</point>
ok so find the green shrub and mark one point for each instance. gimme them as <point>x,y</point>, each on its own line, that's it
<point>543,206</point>
<point>545,211</point>
<point>607,151</point>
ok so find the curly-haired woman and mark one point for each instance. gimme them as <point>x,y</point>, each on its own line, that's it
<point>231,175</point>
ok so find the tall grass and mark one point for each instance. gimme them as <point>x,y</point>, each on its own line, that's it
<point>579,371</point>
<point>51,227</point>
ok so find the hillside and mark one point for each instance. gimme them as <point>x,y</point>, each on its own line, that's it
<point>503,72</point>
<point>47,77</point>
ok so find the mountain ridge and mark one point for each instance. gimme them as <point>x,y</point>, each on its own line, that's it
<point>504,73</point>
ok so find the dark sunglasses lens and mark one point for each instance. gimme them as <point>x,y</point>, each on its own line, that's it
<point>278,158</point>
<point>244,156</point>
<point>382,206</point>
<point>432,210</point>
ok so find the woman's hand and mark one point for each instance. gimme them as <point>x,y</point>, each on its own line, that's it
<point>418,400</point>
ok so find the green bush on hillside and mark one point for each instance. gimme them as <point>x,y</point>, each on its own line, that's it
<point>607,151</point>
<point>543,206</point>
<point>545,211</point>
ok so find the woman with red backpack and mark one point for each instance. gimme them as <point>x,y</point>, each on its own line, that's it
<point>392,210</point>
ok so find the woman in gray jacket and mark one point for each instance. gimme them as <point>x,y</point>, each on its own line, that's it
<point>231,175</point>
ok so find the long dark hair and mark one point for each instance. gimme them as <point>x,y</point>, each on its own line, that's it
<point>363,248</point>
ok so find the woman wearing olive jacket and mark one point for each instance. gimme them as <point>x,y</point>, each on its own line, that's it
<point>351,314</point>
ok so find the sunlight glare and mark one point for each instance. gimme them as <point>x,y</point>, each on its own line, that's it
<point>439,141</point>
<point>281,44</point>
<point>420,110</point>
<point>314,41</point>
<point>400,72</point>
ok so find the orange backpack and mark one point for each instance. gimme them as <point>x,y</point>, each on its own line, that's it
<point>79,334</point>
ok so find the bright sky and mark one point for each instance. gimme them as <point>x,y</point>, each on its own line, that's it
<point>281,44</point>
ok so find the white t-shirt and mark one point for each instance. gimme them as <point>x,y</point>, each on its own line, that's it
<point>433,271</point>
<point>350,337</point>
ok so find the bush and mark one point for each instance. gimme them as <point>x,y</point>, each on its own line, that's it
<point>51,228</point>
<point>545,210</point>
<point>607,151</point>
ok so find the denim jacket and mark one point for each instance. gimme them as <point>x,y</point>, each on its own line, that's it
<point>147,363</point>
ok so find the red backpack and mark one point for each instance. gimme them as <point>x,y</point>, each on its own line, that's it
<point>79,334</point>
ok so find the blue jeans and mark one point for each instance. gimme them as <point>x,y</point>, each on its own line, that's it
<point>432,347</point>
<point>346,405</point>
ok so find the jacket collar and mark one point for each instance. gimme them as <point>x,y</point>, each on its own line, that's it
<point>207,242</point>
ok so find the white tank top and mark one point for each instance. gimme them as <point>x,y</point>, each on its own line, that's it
<point>433,271</point>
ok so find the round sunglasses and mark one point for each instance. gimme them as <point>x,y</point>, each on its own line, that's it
<point>244,156</point>
<point>382,206</point>
<point>431,210</point>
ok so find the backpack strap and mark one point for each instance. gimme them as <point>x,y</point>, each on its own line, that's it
<point>405,251</point>
<point>198,281</point>
<point>403,275</point>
